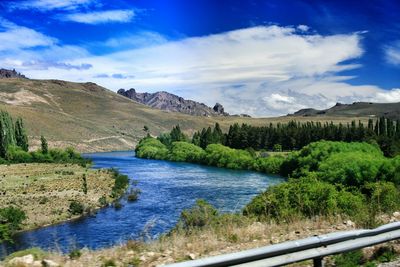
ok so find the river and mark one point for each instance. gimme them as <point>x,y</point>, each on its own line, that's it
<point>167,188</point>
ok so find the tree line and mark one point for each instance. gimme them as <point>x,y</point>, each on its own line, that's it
<point>295,135</point>
<point>14,145</point>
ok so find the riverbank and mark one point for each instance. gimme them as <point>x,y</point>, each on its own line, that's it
<point>45,191</point>
<point>207,241</point>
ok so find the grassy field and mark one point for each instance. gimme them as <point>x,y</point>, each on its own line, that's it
<point>45,191</point>
<point>92,118</point>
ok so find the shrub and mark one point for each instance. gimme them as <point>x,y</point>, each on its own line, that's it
<point>121,182</point>
<point>269,165</point>
<point>183,151</point>
<point>11,219</point>
<point>222,156</point>
<point>151,148</point>
<point>133,195</point>
<point>305,197</point>
<point>76,208</point>
<point>16,154</point>
<point>200,215</point>
<point>351,168</point>
<point>75,254</point>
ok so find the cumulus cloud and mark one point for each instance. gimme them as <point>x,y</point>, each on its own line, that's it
<point>98,17</point>
<point>261,71</point>
<point>392,53</point>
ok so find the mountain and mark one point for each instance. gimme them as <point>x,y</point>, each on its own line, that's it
<point>363,109</point>
<point>170,102</point>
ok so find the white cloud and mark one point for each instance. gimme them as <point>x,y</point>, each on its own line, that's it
<point>137,40</point>
<point>47,5</point>
<point>303,28</point>
<point>14,37</point>
<point>99,17</point>
<point>392,53</point>
<point>262,71</point>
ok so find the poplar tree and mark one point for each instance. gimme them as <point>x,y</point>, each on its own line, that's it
<point>20,135</point>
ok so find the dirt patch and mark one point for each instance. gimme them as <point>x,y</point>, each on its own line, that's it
<point>20,98</point>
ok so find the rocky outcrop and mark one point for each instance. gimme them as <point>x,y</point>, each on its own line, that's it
<point>4,74</point>
<point>170,102</point>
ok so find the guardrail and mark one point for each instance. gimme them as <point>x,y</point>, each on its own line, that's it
<point>313,248</point>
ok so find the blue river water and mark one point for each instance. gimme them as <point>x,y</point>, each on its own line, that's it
<point>167,188</point>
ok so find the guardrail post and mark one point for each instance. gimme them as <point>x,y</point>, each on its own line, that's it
<point>318,262</point>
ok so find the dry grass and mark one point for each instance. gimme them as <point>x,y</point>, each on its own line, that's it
<point>179,246</point>
<point>92,118</point>
<point>44,191</point>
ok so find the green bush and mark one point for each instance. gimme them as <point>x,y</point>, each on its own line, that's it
<point>151,148</point>
<point>305,197</point>
<point>269,165</point>
<point>16,155</point>
<point>351,168</point>
<point>11,219</point>
<point>222,156</point>
<point>121,182</point>
<point>310,157</point>
<point>200,215</point>
<point>183,151</point>
<point>76,208</point>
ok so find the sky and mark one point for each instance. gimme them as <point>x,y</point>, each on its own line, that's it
<point>259,57</point>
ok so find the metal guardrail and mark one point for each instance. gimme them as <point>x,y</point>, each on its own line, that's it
<point>313,248</point>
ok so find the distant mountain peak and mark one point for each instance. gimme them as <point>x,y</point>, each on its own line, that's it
<point>170,102</point>
<point>5,74</point>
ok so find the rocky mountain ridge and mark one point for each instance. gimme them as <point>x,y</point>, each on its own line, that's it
<point>170,102</point>
<point>389,110</point>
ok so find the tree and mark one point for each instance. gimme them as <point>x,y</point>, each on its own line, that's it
<point>177,135</point>
<point>20,135</point>
<point>45,148</point>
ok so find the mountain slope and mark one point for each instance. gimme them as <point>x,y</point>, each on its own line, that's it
<point>170,102</point>
<point>389,110</point>
<point>92,118</point>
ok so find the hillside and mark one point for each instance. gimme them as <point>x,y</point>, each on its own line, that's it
<point>92,118</point>
<point>170,102</point>
<point>389,110</point>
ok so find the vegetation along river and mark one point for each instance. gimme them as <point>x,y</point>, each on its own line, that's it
<point>167,188</point>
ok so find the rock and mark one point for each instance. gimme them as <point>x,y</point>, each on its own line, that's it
<point>396,214</point>
<point>49,263</point>
<point>37,264</point>
<point>349,223</point>
<point>218,108</point>
<point>4,74</point>
<point>143,258</point>
<point>24,260</point>
<point>191,256</point>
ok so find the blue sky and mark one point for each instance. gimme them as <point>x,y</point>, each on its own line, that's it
<point>264,58</point>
